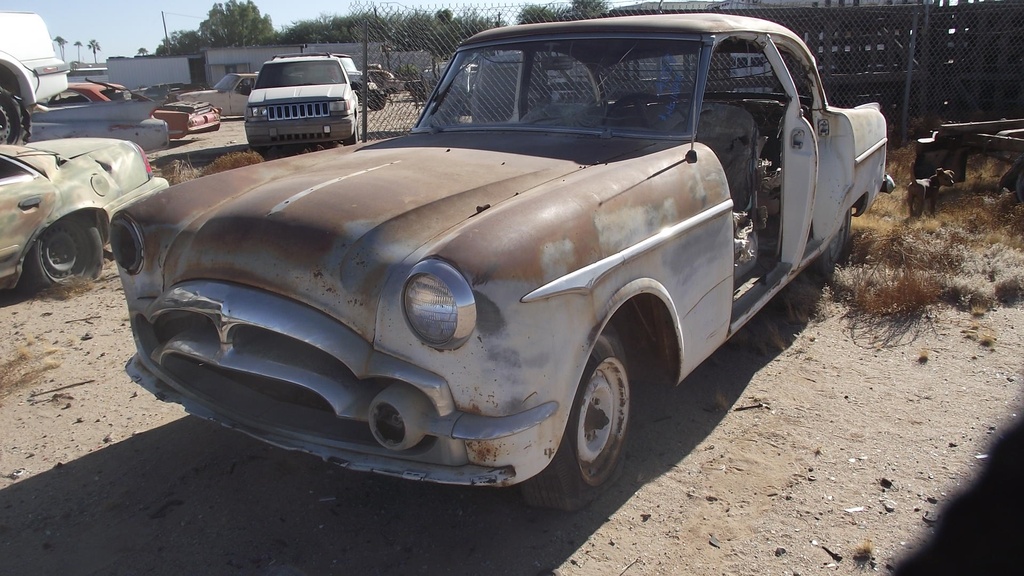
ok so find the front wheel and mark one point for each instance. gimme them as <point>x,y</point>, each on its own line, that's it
<point>14,119</point>
<point>69,248</point>
<point>590,454</point>
<point>354,138</point>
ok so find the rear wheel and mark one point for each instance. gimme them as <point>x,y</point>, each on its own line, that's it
<point>14,119</point>
<point>592,448</point>
<point>70,247</point>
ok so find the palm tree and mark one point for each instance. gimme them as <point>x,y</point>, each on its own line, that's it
<point>142,52</point>
<point>78,44</point>
<point>95,47</point>
<point>60,43</point>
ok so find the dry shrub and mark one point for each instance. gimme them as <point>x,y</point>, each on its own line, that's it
<point>971,253</point>
<point>887,291</point>
<point>178,171</point>
<point>232,161</point>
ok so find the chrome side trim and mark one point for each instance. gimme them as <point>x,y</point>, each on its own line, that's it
<point>865,154</point>
<point>476,427</point>
<point>582,281</point>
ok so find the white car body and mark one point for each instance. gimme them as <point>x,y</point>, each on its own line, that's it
<point>230,94</point>
<point>580,203</point>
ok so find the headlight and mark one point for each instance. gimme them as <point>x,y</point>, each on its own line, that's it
<point>339,106</point>
<point>126,243</point>
<point>439,304</point>
<point>256,112</point>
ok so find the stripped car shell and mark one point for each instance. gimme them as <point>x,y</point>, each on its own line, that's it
<point>454,305</point>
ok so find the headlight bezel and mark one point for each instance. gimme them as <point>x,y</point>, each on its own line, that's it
<point>256,112</point>
<point>123,226</point>
<point>463,308</point>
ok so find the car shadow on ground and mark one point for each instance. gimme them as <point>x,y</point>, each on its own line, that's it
<point>190,497</point>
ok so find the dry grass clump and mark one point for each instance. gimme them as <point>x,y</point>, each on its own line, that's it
<point>26,367</point>
<point>69,288</point>
<point>863,552</point>
<point>232,161</point>
<point>179,171</point>
<point>970,254</point>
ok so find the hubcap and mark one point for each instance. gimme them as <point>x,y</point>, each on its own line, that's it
<point>602,420</point>
<point>59,254</point>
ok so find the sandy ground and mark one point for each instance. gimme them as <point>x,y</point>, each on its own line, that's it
<point>852,435</point>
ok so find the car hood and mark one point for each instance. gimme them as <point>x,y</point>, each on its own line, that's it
<point>199,95</point>
<point>329,228</point>
<point>268,95</point>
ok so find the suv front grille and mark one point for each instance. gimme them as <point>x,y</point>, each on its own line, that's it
<point>296,111</point>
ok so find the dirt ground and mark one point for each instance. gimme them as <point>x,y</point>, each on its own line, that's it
<point>785,455</point>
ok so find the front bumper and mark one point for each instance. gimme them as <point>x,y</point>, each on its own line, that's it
<point>299,131</point>
<point>292,376</point>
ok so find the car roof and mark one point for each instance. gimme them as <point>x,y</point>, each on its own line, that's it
<point>698,24</point>
<point>307,56</point>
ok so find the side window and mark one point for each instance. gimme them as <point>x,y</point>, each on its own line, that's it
<point>11,173</point>
<point>741,117</point>
<point>244,86</point>
<point>741,68</point>
<point>801,77</point>
<point>67,97</point>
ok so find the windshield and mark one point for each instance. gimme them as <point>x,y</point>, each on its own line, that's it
<point>599,84</point>
<point>349,65</point>
<point>226,83</point>
<point>301,73</point>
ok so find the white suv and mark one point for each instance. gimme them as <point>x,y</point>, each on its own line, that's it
<point>302,99</point>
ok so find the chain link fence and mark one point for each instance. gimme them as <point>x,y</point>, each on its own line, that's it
<point>924,63</point>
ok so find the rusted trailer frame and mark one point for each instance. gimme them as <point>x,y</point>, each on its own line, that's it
<point>951,145</point>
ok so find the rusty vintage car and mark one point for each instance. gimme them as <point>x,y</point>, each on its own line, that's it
<point>472,303</point>
<point>56,200</point>
<point>182,118</point>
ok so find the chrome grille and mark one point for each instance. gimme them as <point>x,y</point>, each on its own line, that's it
<point>298,111</point>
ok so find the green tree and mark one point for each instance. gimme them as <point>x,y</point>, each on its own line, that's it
<point>142,52</point>
<point>61,42</point>
<point>583,9</point>
<point>235,23</point>
<point>182,43</point>
<point>323,29</point>
<point>533,13</point>
<point>95,47</point>
<point>78,44</point>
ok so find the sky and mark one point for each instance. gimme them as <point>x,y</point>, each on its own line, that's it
<point>121,28</point>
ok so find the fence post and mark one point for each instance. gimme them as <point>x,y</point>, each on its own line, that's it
<point>364,98</point>
<point>910,79</point>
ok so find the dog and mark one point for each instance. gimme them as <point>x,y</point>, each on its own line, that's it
<point>926,191</point>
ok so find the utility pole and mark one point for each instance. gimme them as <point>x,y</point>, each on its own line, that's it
<point>167,39</point>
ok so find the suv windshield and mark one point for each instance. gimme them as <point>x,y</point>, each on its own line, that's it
<point>622,84</point>
<point>300,73</point>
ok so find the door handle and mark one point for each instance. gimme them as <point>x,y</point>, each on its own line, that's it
<point>30,203</point>
<point>798,139</point>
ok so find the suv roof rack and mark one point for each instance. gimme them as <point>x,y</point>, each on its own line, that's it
<point>302,54</point>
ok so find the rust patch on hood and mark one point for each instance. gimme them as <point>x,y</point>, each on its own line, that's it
<point>325,228</point>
